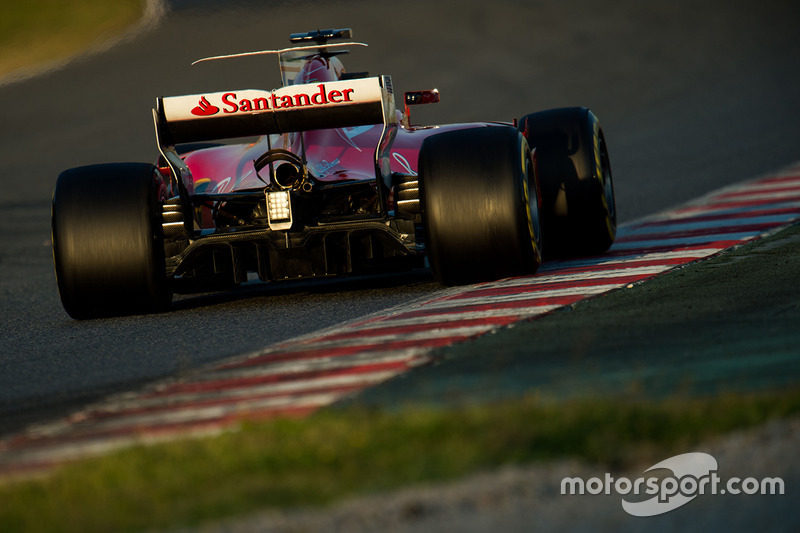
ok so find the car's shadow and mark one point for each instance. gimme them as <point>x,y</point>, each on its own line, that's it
<point>418,280</point>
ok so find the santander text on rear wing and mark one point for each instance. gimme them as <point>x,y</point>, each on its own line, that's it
<point>244,113</point>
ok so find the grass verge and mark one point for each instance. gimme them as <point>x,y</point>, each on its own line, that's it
<point>339,453</point>
<point>34,32</point>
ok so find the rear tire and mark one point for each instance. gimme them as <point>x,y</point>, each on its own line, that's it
<point>579,214</point>
<point>108,242</point>
<point>480,205</point>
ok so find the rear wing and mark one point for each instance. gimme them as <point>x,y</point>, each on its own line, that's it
<point>294,108</point>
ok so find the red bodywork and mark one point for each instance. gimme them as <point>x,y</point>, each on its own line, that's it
<point>341,154</point>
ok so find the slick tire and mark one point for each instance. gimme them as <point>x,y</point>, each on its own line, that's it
<point>480,205</point>
<point>108,242</point>
<point>579,214</point>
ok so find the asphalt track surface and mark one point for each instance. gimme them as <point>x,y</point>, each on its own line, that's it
<point>693,96</point>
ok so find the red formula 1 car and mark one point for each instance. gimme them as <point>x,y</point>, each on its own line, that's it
<point>338,181</point>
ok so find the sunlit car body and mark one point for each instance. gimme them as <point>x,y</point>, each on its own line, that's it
<point>337,181</point>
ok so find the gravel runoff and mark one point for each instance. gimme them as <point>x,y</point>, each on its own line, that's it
<point>527,498</point>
